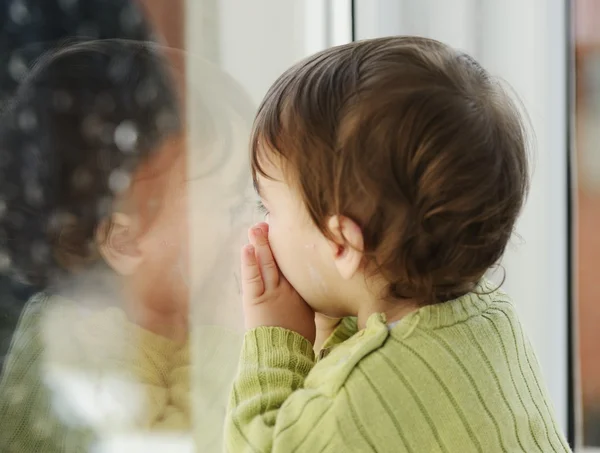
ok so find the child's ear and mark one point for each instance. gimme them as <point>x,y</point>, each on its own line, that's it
<point>118,244</point>
<point>347,245</point>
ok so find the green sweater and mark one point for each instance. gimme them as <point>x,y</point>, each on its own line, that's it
<point>455,377</point>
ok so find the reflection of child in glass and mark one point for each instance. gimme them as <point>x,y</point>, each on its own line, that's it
<point>94,207</point>
<point>392,171</point>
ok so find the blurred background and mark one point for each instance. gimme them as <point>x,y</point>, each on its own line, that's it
<point>548,51</point>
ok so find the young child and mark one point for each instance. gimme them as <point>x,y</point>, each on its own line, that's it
<point>95,205</point>
<point>392,172</point>
<point>93,184</point>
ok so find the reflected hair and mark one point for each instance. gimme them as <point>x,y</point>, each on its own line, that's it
<point>85,118</point>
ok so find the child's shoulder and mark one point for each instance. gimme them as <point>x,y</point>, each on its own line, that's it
<point>467,361</point>
<point>474,326</point>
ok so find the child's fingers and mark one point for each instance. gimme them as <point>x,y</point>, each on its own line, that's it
<point>252,282</point>
<point>263,226</point>
<point>266,262</point>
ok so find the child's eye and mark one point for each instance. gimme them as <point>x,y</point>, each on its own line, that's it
<point>262,208</point>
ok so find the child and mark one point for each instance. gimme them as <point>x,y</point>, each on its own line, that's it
<point>94,192</point>
<point>38,26</point>
<point>89,149</point>
<point>392,172</point>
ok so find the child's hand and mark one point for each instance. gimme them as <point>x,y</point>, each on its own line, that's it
<point>268,298</point>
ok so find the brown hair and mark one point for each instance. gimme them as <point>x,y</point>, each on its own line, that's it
<point>415,142</point>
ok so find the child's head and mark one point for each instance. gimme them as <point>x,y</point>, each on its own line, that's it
<point>93,130</point>
<point>94,164</point>
<point>399,159</point>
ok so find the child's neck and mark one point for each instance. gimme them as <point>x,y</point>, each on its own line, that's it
<point>393,311</point>
<point>367,296</point>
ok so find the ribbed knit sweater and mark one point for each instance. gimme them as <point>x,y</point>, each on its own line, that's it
<point>454,377</point>
<point>77,376</point>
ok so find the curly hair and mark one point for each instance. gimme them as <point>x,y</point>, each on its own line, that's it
<point>415,142</point>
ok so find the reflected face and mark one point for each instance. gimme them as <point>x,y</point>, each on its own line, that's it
<point>160,196</point>
<point>190,228</point>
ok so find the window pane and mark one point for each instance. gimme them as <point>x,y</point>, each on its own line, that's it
<point>133,341</point>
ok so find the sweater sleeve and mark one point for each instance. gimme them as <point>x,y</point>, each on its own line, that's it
<point>270,410</point>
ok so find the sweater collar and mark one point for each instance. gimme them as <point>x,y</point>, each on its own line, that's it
<point>444,314</point>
